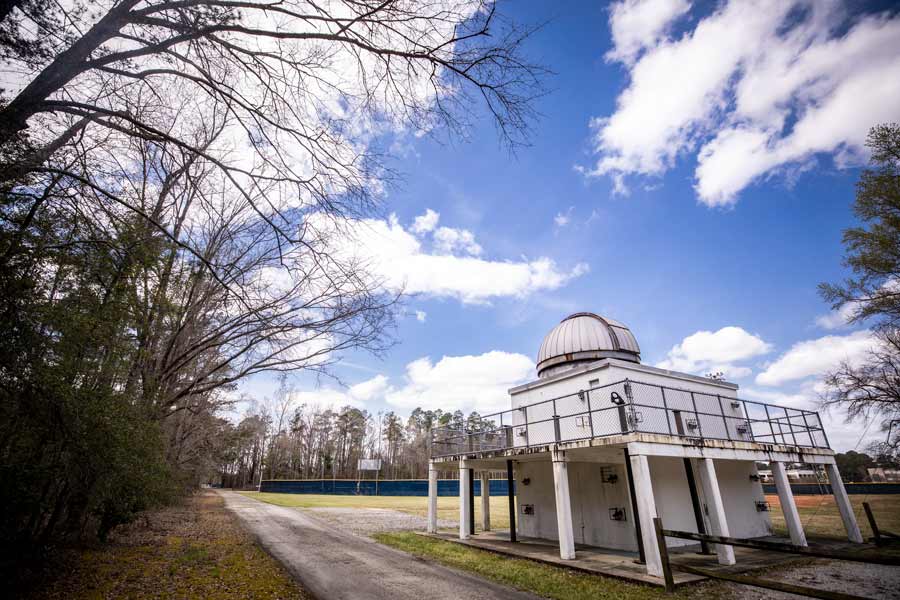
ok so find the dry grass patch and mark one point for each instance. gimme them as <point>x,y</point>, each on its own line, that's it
<point>448,506</point>
<point>195,550</point>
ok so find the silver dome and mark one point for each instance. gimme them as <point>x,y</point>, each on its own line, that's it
<point>585,337</point>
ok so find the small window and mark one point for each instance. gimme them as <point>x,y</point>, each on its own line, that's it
<point>593,383</point>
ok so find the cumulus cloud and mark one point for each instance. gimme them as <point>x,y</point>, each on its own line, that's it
<point>467,383</point>
<point>815,357</point>
<point>425,222</point>
<point>754,89</point>
<point>462,382</point>
<point>638,24</point>
<point>456,241</point>
<point>839,318</point>
<point>401,260</point>
<point>334,398</point>
<point>712,351</point>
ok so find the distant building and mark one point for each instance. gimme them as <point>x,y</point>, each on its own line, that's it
<point>796,474</point>
<point>600,444</point>
<point>883,474</point>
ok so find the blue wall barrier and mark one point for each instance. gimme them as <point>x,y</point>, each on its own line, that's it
<point>807,489</point>
<point>369,487</point>
<point>450,487</point>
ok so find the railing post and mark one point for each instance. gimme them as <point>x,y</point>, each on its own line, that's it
<point>769,420</point>
<point>812,442</point>
<point>587,396</point>
<point>666,408</point>
<point>696,415</point>
<point>749,422</point>
<point>527,435</point>
<point>556,433</point>
<point>724,418</point>
<point>822,429</point>
<point>791,425</point>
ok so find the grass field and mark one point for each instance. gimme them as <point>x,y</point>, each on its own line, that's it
<point>819,513</point>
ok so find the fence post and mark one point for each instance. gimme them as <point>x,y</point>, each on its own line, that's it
<point>872,523</point>
<point>664,555</point>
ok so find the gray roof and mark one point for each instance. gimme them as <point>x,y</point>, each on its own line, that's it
<point>585,337</point>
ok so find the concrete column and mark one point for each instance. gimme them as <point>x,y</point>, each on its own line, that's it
<point>485,501</point>
<point>563,505</point>
<point>432,497</point>
<point>646,505</point>
<point>843,503</point>
<point>716,508</point>
<point>464,516</point>
<point>788,506</point>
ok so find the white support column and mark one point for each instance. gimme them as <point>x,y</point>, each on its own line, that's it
<point>485,501</point>
<point>563,505</point>
<point>464,484</point>
<point>646,506</point>
<point>716,508</point>
<point>843,503</point>
<point>432,497</point>
<point>788,506</point>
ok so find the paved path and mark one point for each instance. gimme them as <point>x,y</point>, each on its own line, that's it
<point>334,565</point>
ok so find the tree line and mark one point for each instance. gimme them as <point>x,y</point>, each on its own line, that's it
<point>275,440</point>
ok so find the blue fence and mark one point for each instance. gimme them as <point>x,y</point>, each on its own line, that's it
<point>450,487</point>
<point>808,489</point>
<point>389,487</point>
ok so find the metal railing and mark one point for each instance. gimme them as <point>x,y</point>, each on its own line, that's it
<point>631,407</point>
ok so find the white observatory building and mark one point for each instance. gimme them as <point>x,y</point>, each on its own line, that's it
<point>600,444</point>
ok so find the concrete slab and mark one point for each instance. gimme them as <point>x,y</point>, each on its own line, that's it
<point>620,564</point>
<point>596,561</point>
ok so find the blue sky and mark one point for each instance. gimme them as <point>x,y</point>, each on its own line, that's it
<point>716,209</point>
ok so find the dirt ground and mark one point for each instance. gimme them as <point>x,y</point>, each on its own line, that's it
<point>859,579</point>
<point>368,521</point>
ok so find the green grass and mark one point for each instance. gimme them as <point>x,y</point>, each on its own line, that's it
<point>544,580</point>
<point>448,506</point>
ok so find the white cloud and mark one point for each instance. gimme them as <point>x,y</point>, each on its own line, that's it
<point>815,357</point>
<point>563,218</point>
<point>462,382</point>
<point>712,351</point>
<point>839,318</point>
<point>801,399</point>
<point>638,24</point>
<point>369,389</point>
<point>453,241</point>
<point>399,260</point>
<point>421,315</point>
<point>754,89</point>
<point>334,398</point>
<point>426,222</point>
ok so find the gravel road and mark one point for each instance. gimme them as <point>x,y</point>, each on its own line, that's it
<point>332,564</point>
